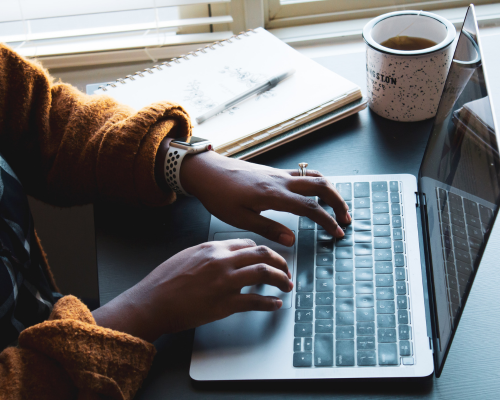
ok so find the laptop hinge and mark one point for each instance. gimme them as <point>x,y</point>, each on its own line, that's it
<point>417,200</point>
<point>430,345</point>
<point>438,342</point>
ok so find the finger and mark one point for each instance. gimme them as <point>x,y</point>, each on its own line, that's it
<point>322,187</point>
<point>259,255</point>
<point>258,274</point>
<point>309,172</point>
<point>237,244</point>
<point>255,302</point>
<point>272,230</point>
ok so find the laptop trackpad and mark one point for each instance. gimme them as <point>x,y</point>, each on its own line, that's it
<point>286,252</point>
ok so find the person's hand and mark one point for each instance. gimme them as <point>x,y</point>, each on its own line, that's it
<point>237,192</point>
<point>198,285</point>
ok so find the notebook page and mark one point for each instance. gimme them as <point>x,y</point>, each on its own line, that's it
<point>223,72</point>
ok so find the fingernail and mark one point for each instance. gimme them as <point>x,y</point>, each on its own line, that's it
<point>339,232</point>
<point>285,239</point>
<point>348,216</point>
<point>278,303</point>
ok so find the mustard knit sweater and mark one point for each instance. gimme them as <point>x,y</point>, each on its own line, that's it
<point>68,148</point>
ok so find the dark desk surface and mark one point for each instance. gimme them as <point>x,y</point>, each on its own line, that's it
<point>131,243</point>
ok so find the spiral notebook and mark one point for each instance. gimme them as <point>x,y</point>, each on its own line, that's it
<point>311,98</point>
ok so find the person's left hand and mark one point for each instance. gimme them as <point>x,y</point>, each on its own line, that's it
<point>237,192</point>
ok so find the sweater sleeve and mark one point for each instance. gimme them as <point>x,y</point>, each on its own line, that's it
<point>69,356</point>
<point>69,148</point>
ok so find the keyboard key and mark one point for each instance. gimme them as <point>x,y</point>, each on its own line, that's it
<point>343,265</point>
<point>475,232</point>
<point>362,213</point>
<point>365,314</point>
<point>367,342</point>
<point>485,214</point>
<point>345,241</point>
<point>383,267</point>
<point>380,208</point>
<point>379,186</point>
<point>455,199</point>
<point>362,225</point>
<point>367,358</point>
<point>345,190</point>
<point>344,332</point>
<point>402,302</point>
<point>343,278</point>
<point>325,259</point>
<point>383,255</point>
<point>395,209</point>
<point>464,268</point>
<point>343,252</point>
<point>324,272</point>
<point>400,274</point>
<point>303,330</point>
<point>445,218</point>
<point>362,203</point>
<point>344,353</point>
<point>363,237</point>
<point>365,329</point>
<point>399,246</point>
<point>304,300</point>
<point>361,189</point>
<point>308,344</point>
<point>388,354</point>
<point>458,231</point>
<point>385,293</point>
<point>363,249</point>
<point>400,287</point>
<point>364,274</point>
<point>324,247</point>
<point>344,291</point>
<point>404,332</point>
<point>394,197</point>
<point>404,348</point>
<point>386,320</point>
<point>385,307</point>
<point>323,312</point>
<point>384,280</point>
<point>306,223</point>
<point>323,350</point>
<point>403,317</point>
<point>394,186</point>
<point>381,219</point>
<point>399,260</point>
<point>454,297</point>
<point>386,335</point>
<point>447,242</point>
<point>460,243</point>
<point>380,197</point>
<point>396,222</point>
<point>381,230</point>
<point>364,287</point>
<point>445,229</point>
<point>450,268</point>
<point>474,243</point>
<point>364,301</point>
<point>463,256</point>
<point>323,326</point>
<point>305,261</point>
<point>303,316</point>
<point>297,344</point>
<point>323,236</point>
<point>324,298</point>
<point>472,221</point>
<point>345,318</point>
<point>452,282</point>
<point>382,242</point>
<point>324,285</point>
<point>471,208</point>
<point>457,220</point>
<point>344,305</point>
<point>302,359</point>
<point>364,262</point>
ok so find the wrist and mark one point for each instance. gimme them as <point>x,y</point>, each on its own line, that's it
<point>194,168</point>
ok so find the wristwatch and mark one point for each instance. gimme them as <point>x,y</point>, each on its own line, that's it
<point>178,149</point>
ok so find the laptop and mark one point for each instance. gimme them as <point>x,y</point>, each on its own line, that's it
<point>385,301</point>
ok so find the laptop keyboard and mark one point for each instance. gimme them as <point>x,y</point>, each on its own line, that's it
<point>352,306</point>
<point>463,225</point>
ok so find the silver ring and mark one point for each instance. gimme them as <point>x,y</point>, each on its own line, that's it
<point>303,168</point>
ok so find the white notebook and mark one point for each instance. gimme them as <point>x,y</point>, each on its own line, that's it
<point>218,72</point>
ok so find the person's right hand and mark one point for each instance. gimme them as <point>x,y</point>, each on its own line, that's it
<point>198,285</point>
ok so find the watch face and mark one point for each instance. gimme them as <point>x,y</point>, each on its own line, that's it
<point>189,141</point>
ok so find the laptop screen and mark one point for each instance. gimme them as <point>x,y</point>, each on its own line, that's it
<point>459,176</point>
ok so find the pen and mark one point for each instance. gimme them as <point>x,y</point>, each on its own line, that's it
<point>261,87</point>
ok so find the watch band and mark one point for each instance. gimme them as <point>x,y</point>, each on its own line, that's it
<point>172,169</point>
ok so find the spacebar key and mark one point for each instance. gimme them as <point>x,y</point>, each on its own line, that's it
<point>323,350</point>
<point>305,261</point>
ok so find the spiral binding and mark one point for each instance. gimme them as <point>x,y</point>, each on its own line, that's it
<point>177,60</point>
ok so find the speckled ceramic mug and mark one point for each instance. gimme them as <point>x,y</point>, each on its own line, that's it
<point>407,85</point>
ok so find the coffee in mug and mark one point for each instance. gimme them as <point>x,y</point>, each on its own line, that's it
<point>408,55</point>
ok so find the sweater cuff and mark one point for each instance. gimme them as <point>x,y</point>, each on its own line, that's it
<point>98,359</point>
